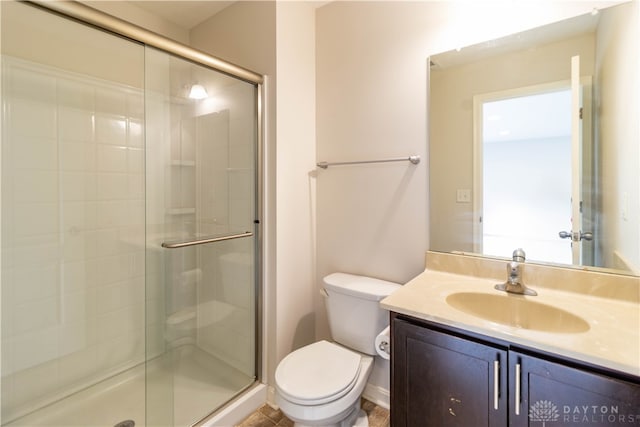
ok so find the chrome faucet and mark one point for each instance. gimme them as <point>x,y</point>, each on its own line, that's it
<point>515,269</point>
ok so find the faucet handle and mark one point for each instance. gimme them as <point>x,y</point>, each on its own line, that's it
<point>519,255</point>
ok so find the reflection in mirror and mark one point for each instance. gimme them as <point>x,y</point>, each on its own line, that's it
<point>534,143</point>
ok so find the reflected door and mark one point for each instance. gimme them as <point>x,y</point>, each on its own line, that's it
<point>530,160</point>
<point>582,250</point>
<point>525,171</point>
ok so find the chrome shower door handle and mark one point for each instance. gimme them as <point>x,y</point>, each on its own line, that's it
<point>205,240</point>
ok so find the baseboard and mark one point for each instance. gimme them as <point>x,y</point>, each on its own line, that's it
<point>240,409</point>
<point>271,397</point>
<point>378,395</point>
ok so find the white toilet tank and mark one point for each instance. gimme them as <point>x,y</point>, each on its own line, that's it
<point>353,309</point>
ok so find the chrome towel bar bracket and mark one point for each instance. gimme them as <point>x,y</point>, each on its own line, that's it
<point>413,159</point>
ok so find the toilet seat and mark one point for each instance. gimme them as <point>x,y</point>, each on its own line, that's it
<point>317,373</point>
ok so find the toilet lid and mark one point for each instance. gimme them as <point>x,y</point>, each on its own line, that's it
<point>318,373</point>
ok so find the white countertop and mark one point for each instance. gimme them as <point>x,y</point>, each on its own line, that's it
<point>612,340</point>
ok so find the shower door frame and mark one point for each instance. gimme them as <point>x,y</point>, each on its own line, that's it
<point>101,20</point>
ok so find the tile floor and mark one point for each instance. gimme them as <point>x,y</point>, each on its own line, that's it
<point>266,416</point>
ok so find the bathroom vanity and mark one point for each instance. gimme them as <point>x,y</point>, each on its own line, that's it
<point>447,377</point>
<point>465,354</point>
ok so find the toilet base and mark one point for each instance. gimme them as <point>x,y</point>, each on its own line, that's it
<point>356,418</point>
<point>362,420</point>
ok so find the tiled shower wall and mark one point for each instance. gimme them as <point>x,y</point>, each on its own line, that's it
<point>73,232</point>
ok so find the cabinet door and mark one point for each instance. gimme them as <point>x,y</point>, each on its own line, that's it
<point>441,380</point>
<point>554,395</point>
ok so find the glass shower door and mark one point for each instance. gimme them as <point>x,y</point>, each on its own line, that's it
<point>72,233</point>
<point>201,248</point>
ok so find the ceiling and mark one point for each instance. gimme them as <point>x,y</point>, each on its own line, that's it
<point>184,13</point>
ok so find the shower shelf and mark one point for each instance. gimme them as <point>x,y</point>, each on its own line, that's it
<point>181,316</point>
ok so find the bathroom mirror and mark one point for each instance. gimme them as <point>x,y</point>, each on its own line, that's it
<point>535,136</point>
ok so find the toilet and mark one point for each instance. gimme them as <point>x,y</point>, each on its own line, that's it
<point>321,384</point>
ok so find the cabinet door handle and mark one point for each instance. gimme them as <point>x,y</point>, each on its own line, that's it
<point>517,390</point>
<point>496,378</point>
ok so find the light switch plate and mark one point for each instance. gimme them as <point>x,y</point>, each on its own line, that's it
<point>463,196</point>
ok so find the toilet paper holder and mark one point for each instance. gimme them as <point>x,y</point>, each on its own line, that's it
<point>384,346</point>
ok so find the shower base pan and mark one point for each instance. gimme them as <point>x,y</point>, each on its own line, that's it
<point>197,385</point>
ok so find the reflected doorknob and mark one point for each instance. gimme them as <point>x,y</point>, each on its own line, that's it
<point>564,235</point>
<point>576,236</point>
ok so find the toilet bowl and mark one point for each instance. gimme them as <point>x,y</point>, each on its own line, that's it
<point>321,384</point>
<point>310,394</point>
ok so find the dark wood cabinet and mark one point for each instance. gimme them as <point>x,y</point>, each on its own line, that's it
<point>443,377</point>
<point>552,393</point>
<point>442,380</point>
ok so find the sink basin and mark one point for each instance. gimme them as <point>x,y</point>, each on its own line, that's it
<point>517,311</point>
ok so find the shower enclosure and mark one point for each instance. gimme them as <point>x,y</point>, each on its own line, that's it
<point>130,225</point>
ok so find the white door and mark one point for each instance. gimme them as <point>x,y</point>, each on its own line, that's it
<point>528,163</point>
<point>576,235</point>
<point>523,172</point>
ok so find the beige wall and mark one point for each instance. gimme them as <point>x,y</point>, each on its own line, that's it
<point>132,13</point>
<point>451,116</point>
<point>243,33</point>
<point>296,106</point>
<point>618,134</point>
